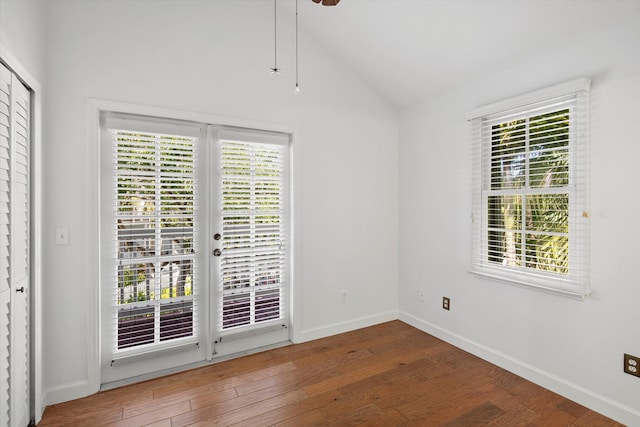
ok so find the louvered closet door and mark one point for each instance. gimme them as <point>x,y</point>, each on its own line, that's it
<point>5,236</point>
<point>251,240</point>
<point>14,250</point>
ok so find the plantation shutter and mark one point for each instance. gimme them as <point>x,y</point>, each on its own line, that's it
<point>254,215</point>
<point>154,276</point>
<point>529,199</point>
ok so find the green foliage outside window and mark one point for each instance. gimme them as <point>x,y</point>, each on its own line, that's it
<point>528,211</point>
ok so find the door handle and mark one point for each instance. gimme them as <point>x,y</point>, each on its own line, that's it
<point>20,289</point>
<point>217,252</point>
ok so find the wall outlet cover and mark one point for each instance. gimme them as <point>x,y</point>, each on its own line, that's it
<point>632,365</point>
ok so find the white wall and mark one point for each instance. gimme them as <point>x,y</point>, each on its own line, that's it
<point>22,35</point>
<point>575,348</point>
<point>214,58</point>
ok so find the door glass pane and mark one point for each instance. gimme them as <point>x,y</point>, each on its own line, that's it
<point>155,218</point>
<point>253,262</point>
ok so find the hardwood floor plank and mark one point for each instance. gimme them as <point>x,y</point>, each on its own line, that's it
<point>552,417</point>
<point>386,375</point>
<point>357,416</point>
<point>505,379</point>
<point>211,394</point>
<point>209,415</point>
<point>186,384</point>
<point>454,393</point>
<point>161,423</point>
<point>311,418</point>
<point>153,416</point>
<point>290,380</point>
<point>337,355</point>
<point>479,416</point>
<point>392,395</point>
<point>517,416</point>
<point>572,408</point>
<point>359,369</point>
<point>390,418</point>
<point>87,418</point>
<point>293,410</point>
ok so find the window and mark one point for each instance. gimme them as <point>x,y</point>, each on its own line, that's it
<point>529,205</point>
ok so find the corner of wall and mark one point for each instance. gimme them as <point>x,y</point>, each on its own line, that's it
<point>342,327</point>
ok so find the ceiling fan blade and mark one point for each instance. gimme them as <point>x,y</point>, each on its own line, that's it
<point>327,2</point>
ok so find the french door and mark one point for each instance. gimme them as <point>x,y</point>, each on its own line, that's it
<point>15,126</point>
<point>194,243</point>
<point>251,240</point>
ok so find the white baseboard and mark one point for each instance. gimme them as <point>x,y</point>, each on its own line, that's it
<point>612,409</point>
<point>67,392</point>
<point>341,327</point>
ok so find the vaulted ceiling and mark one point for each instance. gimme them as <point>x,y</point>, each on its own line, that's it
<point>410,49</point>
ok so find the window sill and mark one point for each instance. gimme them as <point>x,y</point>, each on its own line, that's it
<point>580,295</point>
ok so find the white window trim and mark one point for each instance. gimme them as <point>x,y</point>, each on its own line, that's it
<point>579,289</point>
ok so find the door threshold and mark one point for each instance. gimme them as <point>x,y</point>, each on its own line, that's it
<point>183,368</point>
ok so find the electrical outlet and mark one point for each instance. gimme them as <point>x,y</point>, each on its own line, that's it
<point>343,295</point>
<point>421,295</point>
<point>446,303</point>
<point>632,365</point>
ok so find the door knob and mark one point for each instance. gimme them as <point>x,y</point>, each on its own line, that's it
<point>217,236</point>
<point>20,289</point>
<point>217,252</point>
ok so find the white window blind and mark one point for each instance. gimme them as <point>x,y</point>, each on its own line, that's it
<point>254,219</point>
<point>154,279</point>
<point>530,190</point>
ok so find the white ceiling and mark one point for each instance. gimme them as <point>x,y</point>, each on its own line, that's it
<point>410,49</point>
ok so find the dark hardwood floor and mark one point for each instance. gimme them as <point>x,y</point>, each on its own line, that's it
<point>386,375</point>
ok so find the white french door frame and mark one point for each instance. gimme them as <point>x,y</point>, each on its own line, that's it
<point>205,176</point>
<point>123,365</point>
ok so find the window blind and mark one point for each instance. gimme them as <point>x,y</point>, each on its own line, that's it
<point>530,200</point>
<point>155,278</point>
<point>253,175</point>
